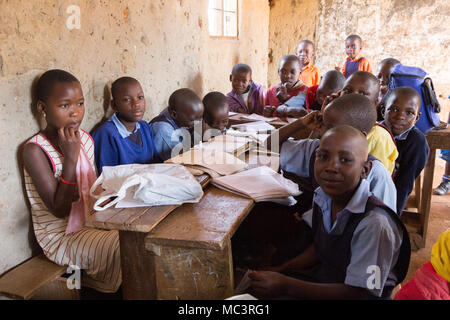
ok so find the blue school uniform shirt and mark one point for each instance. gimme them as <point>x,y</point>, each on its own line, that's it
<point>376,240</point>
<point>168,135</point>
<point>115,145</point>
<point>296,154</point>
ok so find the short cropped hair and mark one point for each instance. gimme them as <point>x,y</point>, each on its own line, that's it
<point>290,57</point>
<point>241,67</point>
<point>390,61</point>
<point>354,37</point>
<point>307,42</point>
<point>119,82</point>
<point>358,111</point>
<point>213,101</point>
<point>332,80</point>
<point>408,91</point>
<point>48,79</point>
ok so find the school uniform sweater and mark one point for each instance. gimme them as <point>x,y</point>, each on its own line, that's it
<point>115,147</point>
<point>413,153</point>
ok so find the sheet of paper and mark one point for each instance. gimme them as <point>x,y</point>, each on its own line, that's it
<point>256,126</point>
<point>231,113</point>
<point>258,117</point>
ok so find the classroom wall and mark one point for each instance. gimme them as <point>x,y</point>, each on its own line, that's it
<point>415,32</point>
<point>164,44</point>
<point>290,21</point>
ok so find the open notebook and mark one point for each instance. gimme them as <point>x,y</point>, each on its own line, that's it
<point>214,162</point>
<point>256,126</point>
<point>236,145</point>
<point>260,184</point>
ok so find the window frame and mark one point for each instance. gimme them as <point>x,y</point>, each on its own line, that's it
<point>236,37</point>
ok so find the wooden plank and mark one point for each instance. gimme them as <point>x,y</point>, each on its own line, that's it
<point>138,271</point>
<point>207,224</point>
<point>23,281</point>
<point>194,274</point>
<point>425,203</point>
<point>150,219</point>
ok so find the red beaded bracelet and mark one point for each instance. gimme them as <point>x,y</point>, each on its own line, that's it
<point>67,182</point>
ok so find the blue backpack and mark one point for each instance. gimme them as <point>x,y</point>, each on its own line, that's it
<point>419,80</point>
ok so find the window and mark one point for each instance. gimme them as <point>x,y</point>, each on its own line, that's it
<point>222,18</point>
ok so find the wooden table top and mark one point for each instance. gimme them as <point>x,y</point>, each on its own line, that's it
<point>141,219</point>
<point>438,139</point>
<point>207,224</point>
<point>237,119</point>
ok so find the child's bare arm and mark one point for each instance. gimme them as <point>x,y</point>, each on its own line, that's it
<point>273,284</point>
<point>57,196</point>
<point>280,135</point>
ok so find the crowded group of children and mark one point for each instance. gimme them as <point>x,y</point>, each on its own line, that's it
<point>356,170</point>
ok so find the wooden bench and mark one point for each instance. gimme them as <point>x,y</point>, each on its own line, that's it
<point>36,278</point>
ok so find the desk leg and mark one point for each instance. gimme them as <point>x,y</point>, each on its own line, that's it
<point>138,270</point>
<point>427,190</point>
<point>197,274</point>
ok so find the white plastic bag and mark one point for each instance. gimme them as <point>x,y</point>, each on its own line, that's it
<point>136,185</point>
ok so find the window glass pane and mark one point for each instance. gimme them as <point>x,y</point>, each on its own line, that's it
<point>230,5</point>
<point>215,22</point>
<point>215,4</point>
<point>230,25</point>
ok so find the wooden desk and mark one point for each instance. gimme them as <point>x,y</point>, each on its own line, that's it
<point>437,139</point>
<point>192,247</point>
<point>138,276</point>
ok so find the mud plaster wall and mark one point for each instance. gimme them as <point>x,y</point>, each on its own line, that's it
<point>164,44</point>
<point>290,22</point>
<point>415,32</point>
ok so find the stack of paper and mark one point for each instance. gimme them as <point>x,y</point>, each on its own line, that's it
<point>256,126</point>
<point>260,184</point>
<point>214,162</point>
<point>257,117</point>
<point>236,145</point>
<point>259,138</point>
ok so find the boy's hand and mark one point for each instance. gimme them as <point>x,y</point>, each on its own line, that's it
<point>267,283</point>
<point>313,120</point>
<point>268,111</point>
<point>330,98</point>
<point>69,143</point>
<point>241,110</point>
<point>282,94</point>
<point>336,67</point>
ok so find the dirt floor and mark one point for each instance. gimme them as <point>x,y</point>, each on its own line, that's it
<point>439,221</point>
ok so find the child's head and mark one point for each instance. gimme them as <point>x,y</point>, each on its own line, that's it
<point>363,82</point>
<point>185,108</point>
<point>305,51</point>
<point>128,99</point>
<point>354,110</point>
<point>240,78</point>
<point>60,99</point>
<point>289,70</point>
<point>341,161</point>
<point>353,46</point>
<point>216,110</point>
<point>384,69</point>
<point>402,109</point>
<point>332,82</point>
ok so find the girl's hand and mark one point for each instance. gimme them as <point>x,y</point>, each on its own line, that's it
<point>267,283</point>
<point>297,112</point>
<point>282,111</point>
<point>69,143</point>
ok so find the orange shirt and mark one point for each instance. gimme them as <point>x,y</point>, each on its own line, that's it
<point>310,75</point>
<point>364,64</point>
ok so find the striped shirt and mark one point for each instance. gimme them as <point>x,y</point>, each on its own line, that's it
<point>94,251</point>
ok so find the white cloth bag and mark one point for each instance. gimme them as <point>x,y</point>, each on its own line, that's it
<point>136,185</point>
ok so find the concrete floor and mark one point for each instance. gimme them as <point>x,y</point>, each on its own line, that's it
<point>439,221</point>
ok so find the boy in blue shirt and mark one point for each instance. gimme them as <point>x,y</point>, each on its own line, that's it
<point>173,128</point>
<point>360,250</point>
<point>400,114</point>
<point>125,138</point>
